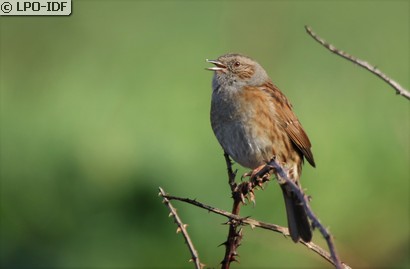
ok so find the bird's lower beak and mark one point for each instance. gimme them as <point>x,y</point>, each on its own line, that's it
<point>218,65</point>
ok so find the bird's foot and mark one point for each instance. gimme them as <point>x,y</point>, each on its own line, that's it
<point>259,175</point>
<point>254,173</point>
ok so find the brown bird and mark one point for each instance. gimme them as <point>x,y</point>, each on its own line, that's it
<point>254,122</point>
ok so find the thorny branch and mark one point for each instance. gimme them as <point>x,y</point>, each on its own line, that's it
<point>254,223</point>
<point>231,173</point>
<point>400,90</point>
<point>240,193</point>
<point>245,191</point>
<point>235,232</point>
<point>281,175</point>
<point>182,229</point>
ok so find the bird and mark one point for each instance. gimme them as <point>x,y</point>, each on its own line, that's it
<point>254,122</point>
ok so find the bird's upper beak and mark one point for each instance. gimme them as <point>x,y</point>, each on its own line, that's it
<point>218,65</point>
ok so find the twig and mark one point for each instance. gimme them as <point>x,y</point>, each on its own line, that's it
<point>245,189</point>
<point>231,173</point>
<point>182,229</point>
<point>235,232</point>
<point>281,175</point>
<point>400,90</point>
<point>255,223</point>
<point>239,194</point>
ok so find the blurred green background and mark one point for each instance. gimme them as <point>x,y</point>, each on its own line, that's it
<point>100,108</point>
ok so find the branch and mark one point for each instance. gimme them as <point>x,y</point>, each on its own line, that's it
<point>235,233</point>
<point>246,189</point>
<point>182,228</point>
<point>255,223</point>
<point>399,89</point>
<point>239,194</point>
<point>281,175</point>
<point>231,173</point>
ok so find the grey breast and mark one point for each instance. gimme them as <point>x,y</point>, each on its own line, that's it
<point>232,130</point>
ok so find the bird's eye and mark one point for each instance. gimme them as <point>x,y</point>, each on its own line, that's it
<point>237,64</point>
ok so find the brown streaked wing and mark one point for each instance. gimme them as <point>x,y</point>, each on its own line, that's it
<point>290,122</point>
<point>301,140</point>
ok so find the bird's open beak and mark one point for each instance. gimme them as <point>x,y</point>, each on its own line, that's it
<point>218,65</point>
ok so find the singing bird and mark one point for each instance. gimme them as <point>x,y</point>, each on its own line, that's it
<point>254,122</point>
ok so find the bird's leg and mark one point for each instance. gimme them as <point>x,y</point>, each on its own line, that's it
<point>257,177</point>
<point>258,172</point>
<point>255,172</point>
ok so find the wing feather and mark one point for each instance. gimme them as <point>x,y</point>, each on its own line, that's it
<point>291,123</point>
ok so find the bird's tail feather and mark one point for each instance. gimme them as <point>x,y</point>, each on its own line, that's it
<point>298,223</point>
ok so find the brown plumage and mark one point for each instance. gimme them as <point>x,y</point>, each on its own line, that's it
<point>253,121</point>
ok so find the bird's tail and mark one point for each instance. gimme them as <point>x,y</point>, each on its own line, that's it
<point>298,223</point>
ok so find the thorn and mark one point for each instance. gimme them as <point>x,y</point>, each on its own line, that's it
<point>223,244</point>
<point>243,198</point>
<point>179,230</point>
<point>233,259</point>
<point>170,215</point>
<point>239,234</point>
<point>253,202</point>
<point>252,197</point>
